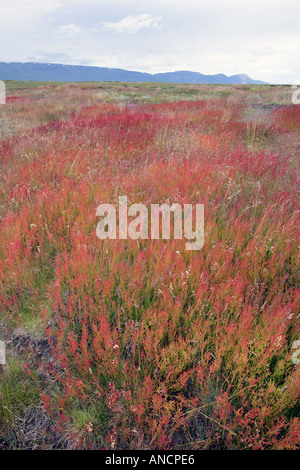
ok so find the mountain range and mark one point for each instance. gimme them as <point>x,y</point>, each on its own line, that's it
<point>81,73</point>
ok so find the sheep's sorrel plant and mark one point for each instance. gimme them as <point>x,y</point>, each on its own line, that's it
<point>137,342</point>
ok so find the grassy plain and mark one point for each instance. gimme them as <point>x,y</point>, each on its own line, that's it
<point>140,344</point>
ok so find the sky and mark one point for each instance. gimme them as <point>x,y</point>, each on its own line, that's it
<point>260,38</point>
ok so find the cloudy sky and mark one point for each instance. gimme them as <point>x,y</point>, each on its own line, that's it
<point>260,38</point>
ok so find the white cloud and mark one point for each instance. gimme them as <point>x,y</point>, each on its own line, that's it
<point>68,29</point>
<point>132,24</point>
<point>19,15</point>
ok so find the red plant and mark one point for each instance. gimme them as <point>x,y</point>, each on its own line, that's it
<point>169,342</point>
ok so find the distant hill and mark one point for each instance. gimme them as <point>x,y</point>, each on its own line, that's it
<point>78,73</point>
